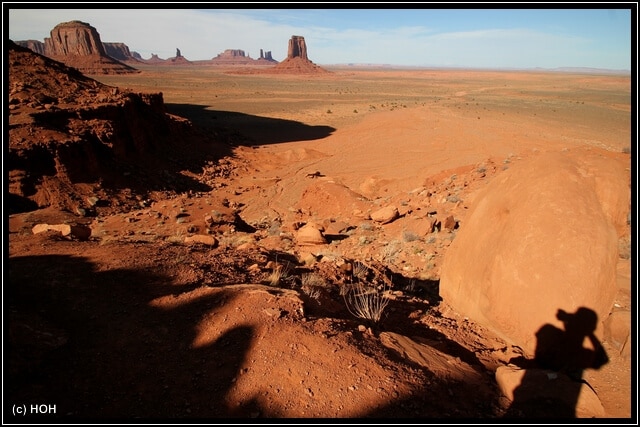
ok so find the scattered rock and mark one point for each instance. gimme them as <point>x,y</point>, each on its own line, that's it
<point>617,331</point>
<point>79,232</point>
<point>202,238</point>
<point>310,234</point>
<point>449,223</point>
<point>273,312</point>
<point>385,215</point>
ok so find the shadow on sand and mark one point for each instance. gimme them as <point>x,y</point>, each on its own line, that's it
<point>249,130</point>
<point>88,341</point>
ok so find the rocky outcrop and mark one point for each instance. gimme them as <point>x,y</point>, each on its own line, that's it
<point>155,59</point>
<point>266,55</point>
<point>232,53</point>
<point>541,238</point>
<point>77,44</point>
<point>238,57</point>
<point>35,45</point>
<point>232,57</point>
<point>74,38</point>
<point>178,59</point>
<point>119,51</point>
<point>71,137</point>
<point>297,48</point>
<point>297,61</point>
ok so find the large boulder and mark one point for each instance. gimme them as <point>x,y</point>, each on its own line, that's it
<point>541,237</point>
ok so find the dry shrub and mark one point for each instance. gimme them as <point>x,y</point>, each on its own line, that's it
<point>279,273</point>
<point>312,284</point>
<point>359,271</point>
<point>366,302</point>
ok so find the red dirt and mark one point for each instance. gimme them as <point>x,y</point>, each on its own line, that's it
<point>135,324</point>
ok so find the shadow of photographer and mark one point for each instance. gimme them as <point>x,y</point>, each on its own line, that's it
<point>553,381</point>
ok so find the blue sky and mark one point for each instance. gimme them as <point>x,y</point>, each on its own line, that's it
<point>423,36</point>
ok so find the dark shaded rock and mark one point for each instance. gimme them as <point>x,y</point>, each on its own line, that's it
<point>35,45</point>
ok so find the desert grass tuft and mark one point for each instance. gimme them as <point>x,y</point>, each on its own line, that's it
<point>366,302</point>
<point>279,273</point>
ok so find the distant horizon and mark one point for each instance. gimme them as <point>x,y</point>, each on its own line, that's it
<point>516,39</point>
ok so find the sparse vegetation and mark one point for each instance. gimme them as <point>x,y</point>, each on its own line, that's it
<point>366,302</point>
<point>279,273</point>
<point>359,271</point>
<point>312,285</point>
<point>234,299</point>
<point>410,236</point>
<point>390,251</point>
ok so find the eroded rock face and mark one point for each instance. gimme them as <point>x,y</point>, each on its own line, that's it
<point>266,56</point>
<point>69,133</point>
<point>232,53</point>
<point>35,45</point>
<point>297,61</point>
<point>77,44</point>
<point>119,51</point>
<point>74,38</point>
<point>297,48</point>
<point>541,237</point>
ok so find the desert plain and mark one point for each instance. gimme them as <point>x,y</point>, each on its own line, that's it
<point>146,323</point>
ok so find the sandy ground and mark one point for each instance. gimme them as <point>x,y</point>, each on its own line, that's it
<point>196,333</point>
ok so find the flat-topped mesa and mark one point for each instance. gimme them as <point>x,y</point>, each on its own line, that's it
<point>234,57</point>
<point>232,53</point>
<point>77,44</point>
<point>116,50</point>
<point>297,48</point>
<point>74,38</point>
<point>119,51</point>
